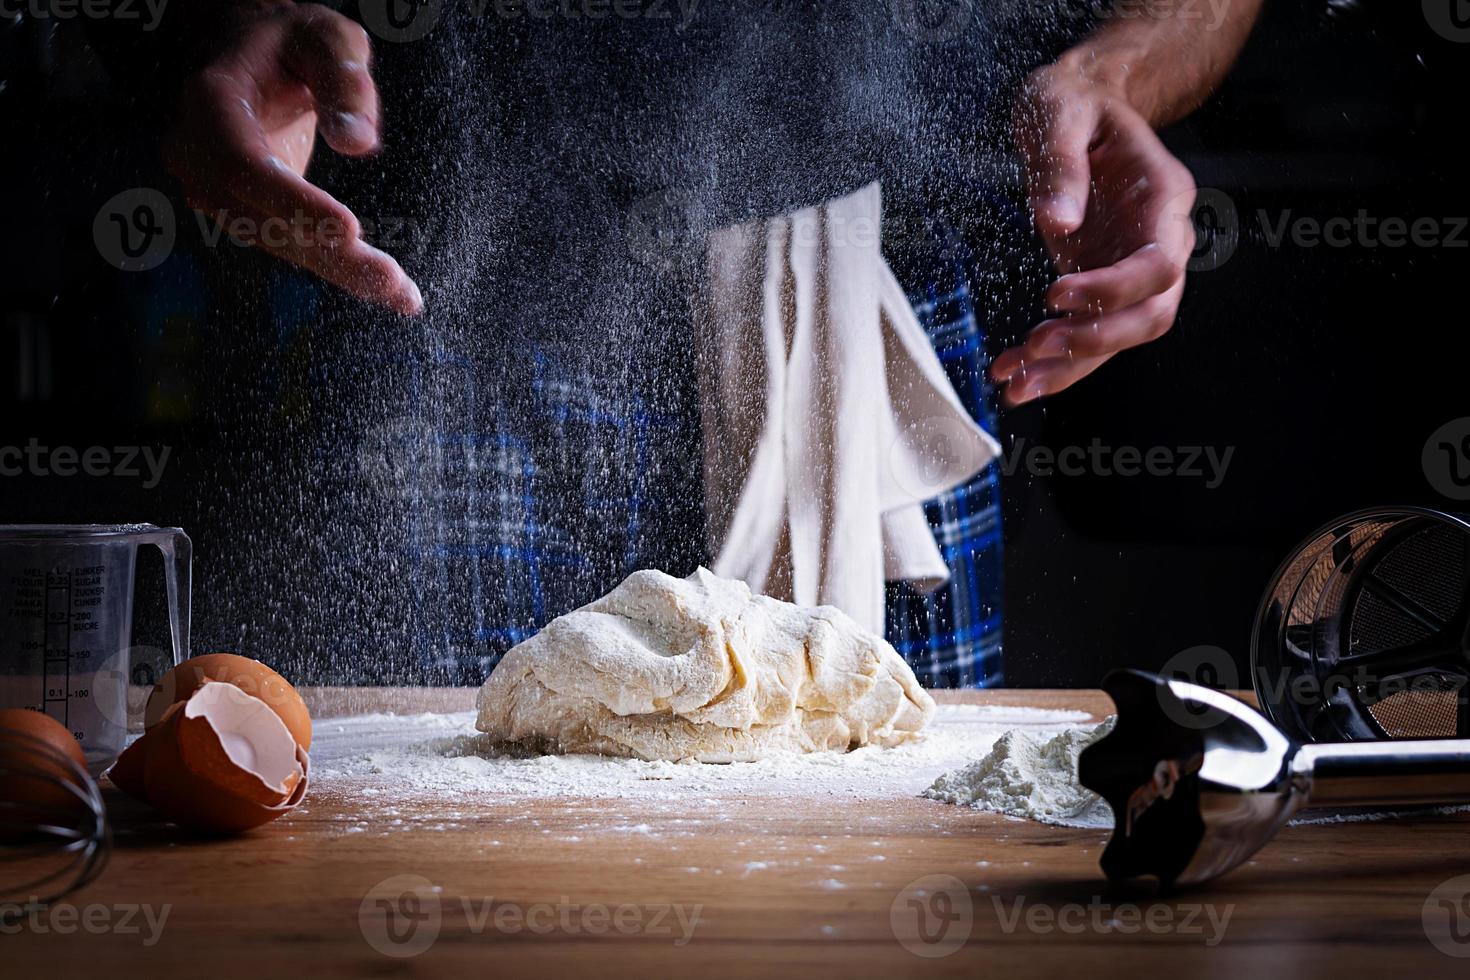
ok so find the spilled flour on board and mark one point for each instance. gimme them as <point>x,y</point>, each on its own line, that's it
<point>438,757</point>
<point>1028,774</point>
<point>1020,762</point>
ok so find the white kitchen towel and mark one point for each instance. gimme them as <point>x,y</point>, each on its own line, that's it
<point>827,416</point>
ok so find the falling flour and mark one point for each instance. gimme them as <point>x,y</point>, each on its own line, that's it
<point>1030,774</point>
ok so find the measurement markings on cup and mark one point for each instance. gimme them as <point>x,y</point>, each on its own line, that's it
<point>57,677</point>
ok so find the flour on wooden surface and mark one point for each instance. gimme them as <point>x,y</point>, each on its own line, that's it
<point>1017,761</point>
<point>1030,774</point>
<point>438,756</point>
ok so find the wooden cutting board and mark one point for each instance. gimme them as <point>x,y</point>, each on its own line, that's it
<point>732,887</point>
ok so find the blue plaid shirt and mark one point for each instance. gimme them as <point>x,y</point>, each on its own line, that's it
<point>952,636</point>
<point>492,518</point>
<point>528,562</point>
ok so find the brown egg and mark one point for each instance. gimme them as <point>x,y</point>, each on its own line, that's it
<point>223,761</point>
<point>250,676</point>
<point>34,749</point>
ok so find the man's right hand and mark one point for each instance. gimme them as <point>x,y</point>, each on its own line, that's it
<point>245,129</point>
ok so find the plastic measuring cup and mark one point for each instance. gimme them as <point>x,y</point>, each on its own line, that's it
<point>66,622</point>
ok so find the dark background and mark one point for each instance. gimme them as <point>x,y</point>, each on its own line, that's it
<point>1324,368</point>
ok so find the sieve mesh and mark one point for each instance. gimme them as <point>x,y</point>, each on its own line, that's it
<point>1418,714</point>
<point>1424,577</point>
<point>1377,626</point>
<point>1430,566</point>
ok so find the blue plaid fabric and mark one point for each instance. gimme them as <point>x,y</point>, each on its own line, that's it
<point>952,636</point>
<point>502,526</point>
<point>512,527</point>
<point>517,533</point>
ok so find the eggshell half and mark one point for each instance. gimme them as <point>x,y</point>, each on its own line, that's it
<point>250,676</point>
<point>128,773</point>
<point>225,762</point>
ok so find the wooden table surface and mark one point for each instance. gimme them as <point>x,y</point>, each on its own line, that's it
<point>673,892</point>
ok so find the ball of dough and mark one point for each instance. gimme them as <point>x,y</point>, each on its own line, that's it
<point>701,668</point>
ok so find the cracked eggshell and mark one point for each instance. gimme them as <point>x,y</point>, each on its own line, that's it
<point>250,676</point>
<point>128,773</point>
<point>223,762</point>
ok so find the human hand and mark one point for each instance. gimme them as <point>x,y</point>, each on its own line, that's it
<point>246,127</point>
<point>1113,207</point>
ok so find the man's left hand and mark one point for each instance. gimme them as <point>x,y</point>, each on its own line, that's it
<point>1113,207</point>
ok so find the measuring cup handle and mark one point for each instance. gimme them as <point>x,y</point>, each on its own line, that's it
<point>178,565</point>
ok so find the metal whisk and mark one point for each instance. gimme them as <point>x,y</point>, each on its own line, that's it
<point>54,836</point>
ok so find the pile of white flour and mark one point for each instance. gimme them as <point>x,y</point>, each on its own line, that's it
<point>1027,774</point>
<point>438,757</point>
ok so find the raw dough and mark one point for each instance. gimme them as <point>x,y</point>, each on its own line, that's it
<point>700,668</point>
